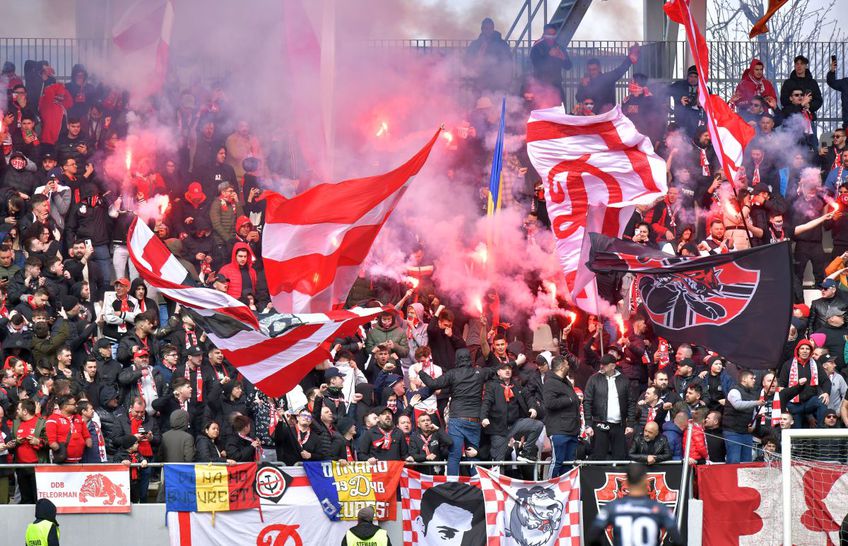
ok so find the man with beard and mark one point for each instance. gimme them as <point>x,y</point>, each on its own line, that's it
<point>562,414</point>
<point>428,443</point>
<point>384,442</point>
<point>833,301</point>
<point>141,337</point>
<point>609,411</point>
<point>80,268</point>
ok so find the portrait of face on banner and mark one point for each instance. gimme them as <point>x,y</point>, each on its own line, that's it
<point>451,514</point>
<point>441,513</point>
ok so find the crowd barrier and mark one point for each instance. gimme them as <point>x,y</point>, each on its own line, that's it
<point>145,523</point>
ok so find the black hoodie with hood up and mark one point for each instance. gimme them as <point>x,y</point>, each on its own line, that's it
<point>45,510</point>
<point>465,383</point>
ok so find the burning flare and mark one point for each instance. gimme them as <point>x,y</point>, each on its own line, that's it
<point>572,316</point>
<point>128,158</point>
<point>478,305</point>
<point>412,282</point>
<point>619,322</point>
<point>481,253</point>
<point>448,136</point>
<point>835,205</point>
<point>383,130</point>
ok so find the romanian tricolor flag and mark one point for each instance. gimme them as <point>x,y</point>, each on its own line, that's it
<point>496,176</point>
<point>345,489</point>
<point>210,488</point>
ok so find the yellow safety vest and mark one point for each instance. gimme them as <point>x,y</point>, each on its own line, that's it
<point>37,533</point>
<point>380,538</point>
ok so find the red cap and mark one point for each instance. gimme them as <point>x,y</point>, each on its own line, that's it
<point>805,310</point>
<point>140,352</point>
<point>124,281</point>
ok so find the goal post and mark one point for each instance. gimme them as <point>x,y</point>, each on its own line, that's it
<point>821,449</point>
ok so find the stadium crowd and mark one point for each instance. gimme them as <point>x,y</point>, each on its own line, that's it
<point>97,367</point>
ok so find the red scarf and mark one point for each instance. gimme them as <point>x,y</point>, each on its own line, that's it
<point>302,439</point>
<point>144,446</point>
<point>190,339</point>
<point>257,453</point>
<point>425,440</point>
<point>652,414</point>
<point>384,442</point>
<point>756,178</point>
<point>508,394</point>
<point>198,377</point>
<point>793,375</point>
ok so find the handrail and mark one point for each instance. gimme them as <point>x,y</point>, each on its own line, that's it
<point>582,462</point>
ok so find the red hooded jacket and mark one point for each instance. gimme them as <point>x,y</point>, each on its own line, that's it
<point>750,87</point>
<point>53,105</point>
<point>233,272</point>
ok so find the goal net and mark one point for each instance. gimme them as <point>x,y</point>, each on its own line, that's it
<point>813,479</point>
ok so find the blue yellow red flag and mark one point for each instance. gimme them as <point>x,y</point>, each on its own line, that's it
<point>495,177</point>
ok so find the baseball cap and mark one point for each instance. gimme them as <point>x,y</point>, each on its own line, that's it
<point>332,372</point>
<point>608,359</point>
<point>761,188</point>
<point>686,362</point>
<point>140,352</point>
<point>828,283</point>
<point>194,350</point>
<point>122,281</point>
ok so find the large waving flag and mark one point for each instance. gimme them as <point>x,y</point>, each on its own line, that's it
<point>314,243</point>
<point>592,166</point>
<point>274,357</point>
<point>143,37</point>
<point>728,132</point>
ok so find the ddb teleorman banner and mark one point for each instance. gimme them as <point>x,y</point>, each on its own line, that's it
<point>85,489</point>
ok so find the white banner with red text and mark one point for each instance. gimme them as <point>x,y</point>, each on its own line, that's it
<point>85,489</point>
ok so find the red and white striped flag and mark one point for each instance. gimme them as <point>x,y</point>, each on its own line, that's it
<point>728,132</point>
<point>273,363</point>
<point>143,37</point>
<point>161,269</point>
<point>314,243</point>
<point>591,165</point>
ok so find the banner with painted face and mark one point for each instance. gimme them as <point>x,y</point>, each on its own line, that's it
<point>442,510</point>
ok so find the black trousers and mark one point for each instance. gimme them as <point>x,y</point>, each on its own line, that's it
<point>609,442</point>
<point>809,252</point>
<point>26,483</point>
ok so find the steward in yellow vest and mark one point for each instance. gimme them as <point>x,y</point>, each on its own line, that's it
<point>365,533</point>
<point>44,531</point>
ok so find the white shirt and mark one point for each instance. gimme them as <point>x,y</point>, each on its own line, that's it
<point>613,405</point>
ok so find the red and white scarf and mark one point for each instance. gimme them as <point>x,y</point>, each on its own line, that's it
<point>775,408</point>
<point>385,441</point>
<point>793,376</point>
<point>705,162</point>
<point>198,380</point>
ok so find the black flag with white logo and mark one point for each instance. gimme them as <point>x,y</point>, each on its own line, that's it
<point>736,304</point>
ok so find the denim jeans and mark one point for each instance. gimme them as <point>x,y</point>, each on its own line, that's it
<point>739,447</point>
<point>813,406</point>
<point>464,434</point>
<point>103,258</point>
<point>564,447</point>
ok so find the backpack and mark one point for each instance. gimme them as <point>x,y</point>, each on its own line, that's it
<point>38,432</point>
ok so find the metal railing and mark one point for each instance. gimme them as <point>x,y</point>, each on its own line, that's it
<point>61,53</point>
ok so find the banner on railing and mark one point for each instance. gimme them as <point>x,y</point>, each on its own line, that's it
<point>531,513</point>
<point>600,485</point>
<point>294,519</point>
<point>441,509</point>
<point>210,488</point>
<point>346,488</point>
<point>85,489</point>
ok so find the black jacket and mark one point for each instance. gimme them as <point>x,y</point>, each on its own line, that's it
<point>443,347</point>
<point>370,445</point>
<point>601,88</point>
<point>806,83</point>
<point>840,85</point>
<point>595,400</point>
<point>821,308</point>
<point>205,451</point>
<point>658,447</point>
<point>562,406</point>
<point>500,413</point>
<point>465,383</point>
<point>439,443</point>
